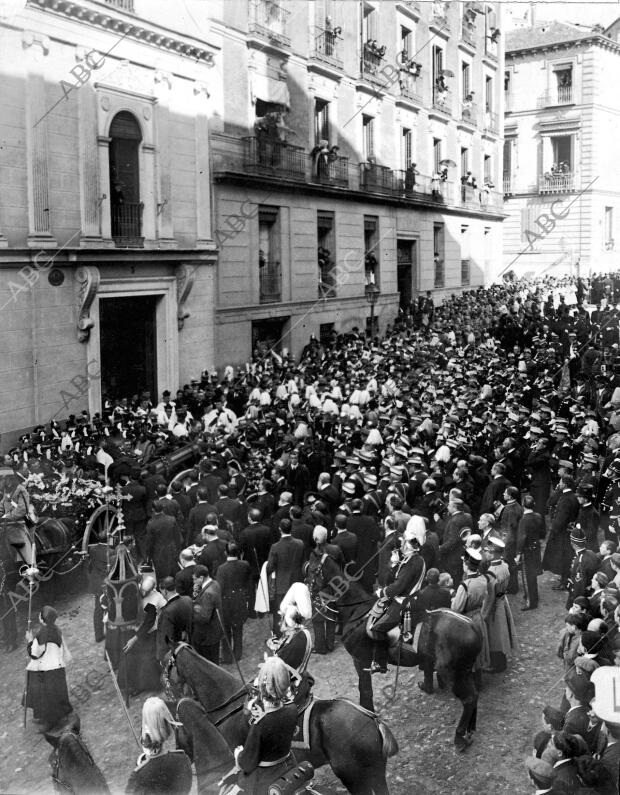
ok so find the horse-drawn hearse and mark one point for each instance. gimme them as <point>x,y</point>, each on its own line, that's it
<point>68,514</point>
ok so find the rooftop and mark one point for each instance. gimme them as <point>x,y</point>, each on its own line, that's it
<point>544,33</point>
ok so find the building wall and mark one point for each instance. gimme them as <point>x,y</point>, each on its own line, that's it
<point>350,97</point>
<point>55,198</point>
<point>573,240</point>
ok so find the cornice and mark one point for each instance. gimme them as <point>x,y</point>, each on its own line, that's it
<point>585,41</point>
<point>128,26</point>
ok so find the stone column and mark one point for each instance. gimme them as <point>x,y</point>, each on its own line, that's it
<point>147,194</point>
<point>203,182</point>
<point>91,193</point>
<point>105,214</point>
<point>165,226</point>
<point>38,108</point>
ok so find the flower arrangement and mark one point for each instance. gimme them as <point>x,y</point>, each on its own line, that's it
<point>77,497</point>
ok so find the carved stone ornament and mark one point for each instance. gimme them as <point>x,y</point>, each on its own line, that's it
<point>186,277</point>
<point>87,278</point>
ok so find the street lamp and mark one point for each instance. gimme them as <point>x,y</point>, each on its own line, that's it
<point>372,295</point>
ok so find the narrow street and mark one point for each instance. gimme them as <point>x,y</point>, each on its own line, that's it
<point>508,715</point>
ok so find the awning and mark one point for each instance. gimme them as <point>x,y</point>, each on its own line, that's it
<point>268,89</point>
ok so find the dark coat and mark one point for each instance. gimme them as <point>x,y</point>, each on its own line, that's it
<point>451,549</point>
<point>368,536</point>
<point>254,542</point>
<point>175,618</point>
<point>163,542</point>
<point>538,463</point>
<point>434,596</point>
<point>347,541</point>
<point>206,629</point>
<point>198,517</point>
<point>134,510</point>
<point>213,555</point>
<point>286,558</point>
<point>493,493</point>
<point>558,551</point>
<point>235,580</point>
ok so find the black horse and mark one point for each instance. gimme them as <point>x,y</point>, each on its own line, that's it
<point>446,642</point>
<point>75,770</point>
<point>354,742</point>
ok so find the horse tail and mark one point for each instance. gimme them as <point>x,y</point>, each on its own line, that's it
<point>389,746</point>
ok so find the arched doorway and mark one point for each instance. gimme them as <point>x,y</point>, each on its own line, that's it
<point>125,205</point>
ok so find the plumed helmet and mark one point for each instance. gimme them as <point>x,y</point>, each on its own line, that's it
<point>415,532</point>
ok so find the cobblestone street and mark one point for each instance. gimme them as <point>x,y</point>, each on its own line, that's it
<point>426,764</point>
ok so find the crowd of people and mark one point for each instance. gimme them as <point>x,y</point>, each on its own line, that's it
<point>439,458</point>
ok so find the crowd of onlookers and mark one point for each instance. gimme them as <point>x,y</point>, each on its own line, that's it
<point>494,416</point>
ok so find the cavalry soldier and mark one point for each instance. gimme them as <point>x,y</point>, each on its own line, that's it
<point>408,572</point>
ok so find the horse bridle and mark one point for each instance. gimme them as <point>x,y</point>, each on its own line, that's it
<point>55,765</point>
<point>243,690</point>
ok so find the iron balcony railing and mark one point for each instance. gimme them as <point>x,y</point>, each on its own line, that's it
<point>127,224</point>
<point>371,63</point>
<point>326,48</point>
<point>442,190</point>
<point>268,19</point>
<point>124,5</point>
<point>409,88</point>
<point>265,155</point>
<point>469,111</point>
<point>442,100</point>
<point>491,122</point>
<point>561,95</point>
<point>270,282</point>
<point>556,183</point>
<point>376,179</point>
<point>507,182</point>
<point>333,171</point>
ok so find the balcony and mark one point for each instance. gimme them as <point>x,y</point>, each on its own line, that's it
<point>268,21</point>
<point>481,198</point>
<point>469,112</point>
<point>331,171</point>
<point>270,282</point>
<point>442,100</point>
<point>372,55</point>
<point>326,48</point>
<point>507,184</point>
<point>442,190</point>
<point>127,224</point>
<point>124,5</point>
<point>557,183</point>
<point>491,122</point>
<point>268,156</point>
<point>561,95</point>
<point>376,179</point>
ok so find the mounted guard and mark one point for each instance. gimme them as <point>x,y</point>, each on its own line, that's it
<point>407,575</point>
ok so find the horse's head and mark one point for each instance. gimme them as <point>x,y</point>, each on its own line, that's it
<point>172,678</point>
<point>73,768</point>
